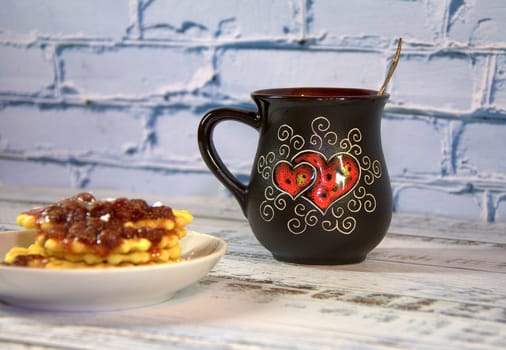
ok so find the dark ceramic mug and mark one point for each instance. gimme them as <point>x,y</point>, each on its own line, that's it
<point>319,191</point>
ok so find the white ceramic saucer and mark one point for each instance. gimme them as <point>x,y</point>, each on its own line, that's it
<point>104,289</point>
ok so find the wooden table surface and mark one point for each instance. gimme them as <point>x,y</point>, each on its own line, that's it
<point>433,283</point>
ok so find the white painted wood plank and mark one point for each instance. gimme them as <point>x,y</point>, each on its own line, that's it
<point>220,311</point>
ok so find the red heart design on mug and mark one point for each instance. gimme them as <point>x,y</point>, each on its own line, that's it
<point>293,179</point>
<point>334,177</point>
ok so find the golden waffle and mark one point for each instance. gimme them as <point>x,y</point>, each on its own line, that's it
<point>84,232</point>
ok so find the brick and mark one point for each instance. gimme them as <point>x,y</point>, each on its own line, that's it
<point>481,150</point>
<point>72,130</point>
<point>32,173</point>
<point>426,201</point>
<point>241,71</point>
<point>155,182</point>
<point>24,70</point>
<point>420,20</point>
<point>135,71</point>
<point>223,19</point>
<point>412,146</point>
<point>477,22</point>
<point>176,134</point>
<point>443,82</point>
<point>95,18</point>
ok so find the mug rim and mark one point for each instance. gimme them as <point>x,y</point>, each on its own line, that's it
<point>319,93</point>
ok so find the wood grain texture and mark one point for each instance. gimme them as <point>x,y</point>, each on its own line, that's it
<point>431,284</point>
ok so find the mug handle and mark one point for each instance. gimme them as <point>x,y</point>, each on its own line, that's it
<point>210,154</point>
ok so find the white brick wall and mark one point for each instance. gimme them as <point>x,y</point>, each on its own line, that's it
<point>437,82</point>
<point>130,71</point>
<point>109,93</point>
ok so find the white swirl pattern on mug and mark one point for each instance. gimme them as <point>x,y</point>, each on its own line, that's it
<point>264,165</point>
<point>372,170</point>
<point>350,143</point>
<point>320,127</point>
<point>297,142</point>
<point>305,218</point>
<point>345,226</point>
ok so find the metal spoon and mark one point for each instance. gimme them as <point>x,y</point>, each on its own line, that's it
<point>393,65</point>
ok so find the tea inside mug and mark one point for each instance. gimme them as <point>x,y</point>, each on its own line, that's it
<point>316,92</point>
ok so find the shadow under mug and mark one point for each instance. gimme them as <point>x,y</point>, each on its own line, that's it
<point>319,190</point>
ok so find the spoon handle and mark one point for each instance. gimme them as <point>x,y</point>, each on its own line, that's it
<point>391,70</point>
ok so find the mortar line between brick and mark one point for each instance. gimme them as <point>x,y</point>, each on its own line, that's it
<point>279,43</point>
<point>490,74</point>
<point>446,22</point>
